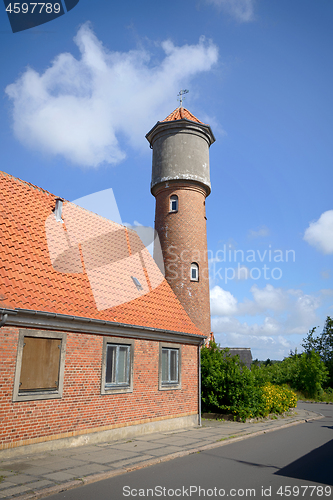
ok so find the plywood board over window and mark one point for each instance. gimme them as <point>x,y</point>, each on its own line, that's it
<point>40,365</point>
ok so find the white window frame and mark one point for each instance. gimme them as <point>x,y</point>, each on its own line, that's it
<point>194,267</point>
<point>165,385</point>
<point>43,394</point>
<point>117,388</point>
<point>174,199</point>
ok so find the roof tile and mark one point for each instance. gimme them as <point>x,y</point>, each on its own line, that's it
<point>181,114</point>
<point>83,267</point>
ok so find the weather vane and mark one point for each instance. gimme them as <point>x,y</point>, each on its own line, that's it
<point>180,95</point>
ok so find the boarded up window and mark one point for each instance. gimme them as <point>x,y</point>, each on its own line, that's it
<point>40,364</point>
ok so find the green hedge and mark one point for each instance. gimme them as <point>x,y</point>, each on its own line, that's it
<point>305,372</point>
<point>228,386</point>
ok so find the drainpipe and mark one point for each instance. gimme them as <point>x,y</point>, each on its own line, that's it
<point>199,380</point>
<point>4,318</point>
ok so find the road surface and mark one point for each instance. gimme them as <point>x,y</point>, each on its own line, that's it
<point>295,462</point>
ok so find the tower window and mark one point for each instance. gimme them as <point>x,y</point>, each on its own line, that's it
<point>194,272</point>
<point>174,203</point>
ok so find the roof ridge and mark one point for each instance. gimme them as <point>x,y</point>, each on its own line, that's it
<point>29,184</point>
<point>182,113</point>
<point>5,174</point>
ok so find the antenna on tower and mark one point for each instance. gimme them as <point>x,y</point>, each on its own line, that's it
<point>180,95</point>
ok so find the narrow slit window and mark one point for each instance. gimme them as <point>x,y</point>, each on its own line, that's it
<point>194,272</point>
<point>174,203</point>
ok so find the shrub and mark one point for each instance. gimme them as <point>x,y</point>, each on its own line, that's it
<point>303,372</point>
<point>228,386</point>
<point>278,398</point>
<point>323,345</point>
<point>311,374</point>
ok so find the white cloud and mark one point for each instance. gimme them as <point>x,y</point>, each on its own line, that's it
<point>303,314</point>
<point>319,234</point>
<point>241,10</point>
<point>269,327</point>
<point>261,232</point>
<point>291,306</point>
<point>262,347</point>
<point>78,108</point>
<point>267,298</point>
<point>222,302</point>
<point>281,318</point>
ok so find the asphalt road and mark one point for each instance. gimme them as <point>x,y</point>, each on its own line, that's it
<point>295,462</point>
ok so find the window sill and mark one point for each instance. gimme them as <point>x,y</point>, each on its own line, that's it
<point>33,396</point>
<point>170,387</point>
<point>116,390</point>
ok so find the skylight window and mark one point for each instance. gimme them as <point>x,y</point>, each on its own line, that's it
<point>137,283</point>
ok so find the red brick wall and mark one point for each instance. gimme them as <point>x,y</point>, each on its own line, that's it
<point>82,407</point>
<point>183,239</point>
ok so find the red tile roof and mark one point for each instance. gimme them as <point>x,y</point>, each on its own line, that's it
<point>181,114</point>
<point>82,266</point>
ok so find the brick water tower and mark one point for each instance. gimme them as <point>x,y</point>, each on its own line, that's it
<point>180,184</point>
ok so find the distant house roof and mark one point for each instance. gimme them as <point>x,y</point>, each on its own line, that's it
<point>244,354</point>
<point>181,114</point>
<point>71,261</point>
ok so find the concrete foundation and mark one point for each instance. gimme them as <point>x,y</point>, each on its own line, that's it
<point>112,434</point>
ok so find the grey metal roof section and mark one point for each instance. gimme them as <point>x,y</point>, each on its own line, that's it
<point>62,322</point>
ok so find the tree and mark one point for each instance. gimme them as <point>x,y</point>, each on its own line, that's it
<point>323,345</point>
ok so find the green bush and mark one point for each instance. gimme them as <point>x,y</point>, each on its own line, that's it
<point>311,375</point>
<point>278,398</point>
<point>228,386</point>
<point>323,345</point>
<point>303,372</point>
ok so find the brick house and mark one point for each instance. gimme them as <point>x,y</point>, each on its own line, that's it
<point>94,343</point>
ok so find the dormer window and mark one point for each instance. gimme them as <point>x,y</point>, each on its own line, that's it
<point>174,203</point>
<point>194,272</point>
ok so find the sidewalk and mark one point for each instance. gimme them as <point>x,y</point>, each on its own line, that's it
<point>40,475</point>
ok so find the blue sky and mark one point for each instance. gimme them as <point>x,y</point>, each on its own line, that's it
<point>80,93</point>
